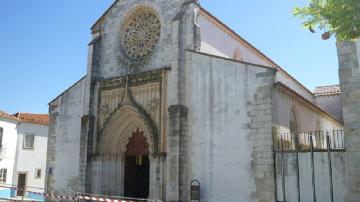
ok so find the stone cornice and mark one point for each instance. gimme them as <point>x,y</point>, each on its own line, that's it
<point>133,79</point>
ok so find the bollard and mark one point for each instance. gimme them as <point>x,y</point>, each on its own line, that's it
<point>195,190</point>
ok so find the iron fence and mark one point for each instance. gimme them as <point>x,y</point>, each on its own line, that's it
<point>310,142</point>
<point>288,141</point>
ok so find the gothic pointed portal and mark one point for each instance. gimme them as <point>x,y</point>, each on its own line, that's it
<point>137,167</point>
<point>126,149</point>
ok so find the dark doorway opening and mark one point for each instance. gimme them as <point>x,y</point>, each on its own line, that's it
<point>21,185</point>
<point>137,176</point>
<point>137,167</point>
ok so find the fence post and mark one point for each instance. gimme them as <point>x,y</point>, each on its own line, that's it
<point>297,164</point>
<point>77,197</point>
<point>23,193</point>
<point>312,167</point>
<point>330,168</point>
<point>282,168</point>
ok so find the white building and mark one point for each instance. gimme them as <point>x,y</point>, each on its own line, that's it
<point>23,142</point>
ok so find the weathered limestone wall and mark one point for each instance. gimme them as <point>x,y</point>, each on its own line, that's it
<point>219,41</point>
<point>178,32</point>
<point>332,104</point>
<point>230,142</point>
<point>349,71</point>
<point>307,117</point>
<point>63,155</point>
<point>112,63</point>
<point>216,41</point>
<point>322,180</point>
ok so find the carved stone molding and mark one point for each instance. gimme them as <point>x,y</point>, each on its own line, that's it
<point>140,34</point>
<point>128,103</point>
<point>132,79</point>
<point>120,128</point>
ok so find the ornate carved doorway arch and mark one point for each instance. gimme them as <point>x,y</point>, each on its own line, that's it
<point>127,149</point>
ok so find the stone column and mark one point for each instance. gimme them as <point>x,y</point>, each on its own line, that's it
<point>176,159</point>
<point>349,72</point>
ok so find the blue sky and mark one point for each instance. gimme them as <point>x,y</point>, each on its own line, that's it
<point>44,44</point>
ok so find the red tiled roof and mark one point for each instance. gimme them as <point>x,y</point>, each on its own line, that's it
<point>27,117</point>
<point>33,118</point>
<point>6,115</point>
<point>327,90</point>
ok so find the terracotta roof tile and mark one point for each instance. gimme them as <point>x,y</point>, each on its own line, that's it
<point>33,118</point>
<point>6,115</point>
<point>27,117</point>
<point>327,90</point>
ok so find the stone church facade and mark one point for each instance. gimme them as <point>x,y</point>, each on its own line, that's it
<point>173,95</point>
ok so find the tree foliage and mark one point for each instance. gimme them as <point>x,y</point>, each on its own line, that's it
<point>334,17</point>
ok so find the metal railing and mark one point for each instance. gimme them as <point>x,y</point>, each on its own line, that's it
<point>316,141</point>
<point>288,141</point>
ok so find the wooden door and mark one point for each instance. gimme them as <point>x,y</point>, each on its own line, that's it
<point>21,184</point>
<point>130,176</point>
<point>137,166</point>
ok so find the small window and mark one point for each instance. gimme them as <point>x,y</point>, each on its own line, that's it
<point>3,173</point>
<point>28,142</point>
<point>38,173</point>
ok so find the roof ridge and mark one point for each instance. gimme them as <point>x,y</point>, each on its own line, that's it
<point>327,86</point>
<point>327,90</point>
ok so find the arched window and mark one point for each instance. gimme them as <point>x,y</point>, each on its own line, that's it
<point>293,128</point>
<point>293,124</point>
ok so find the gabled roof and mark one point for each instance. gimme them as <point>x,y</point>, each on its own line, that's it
<point>27,117</point>
<point>327,90</point>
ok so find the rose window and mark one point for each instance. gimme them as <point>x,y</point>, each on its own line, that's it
<point>140,35</point>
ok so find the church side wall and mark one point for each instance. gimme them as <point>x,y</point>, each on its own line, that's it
<point>307,117</point>
<point>217,42</point>
<point>229,125</point>
<point>63,156</point>
<point>332,104</point>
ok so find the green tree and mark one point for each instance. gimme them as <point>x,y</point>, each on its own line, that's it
<point>334,17</point>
